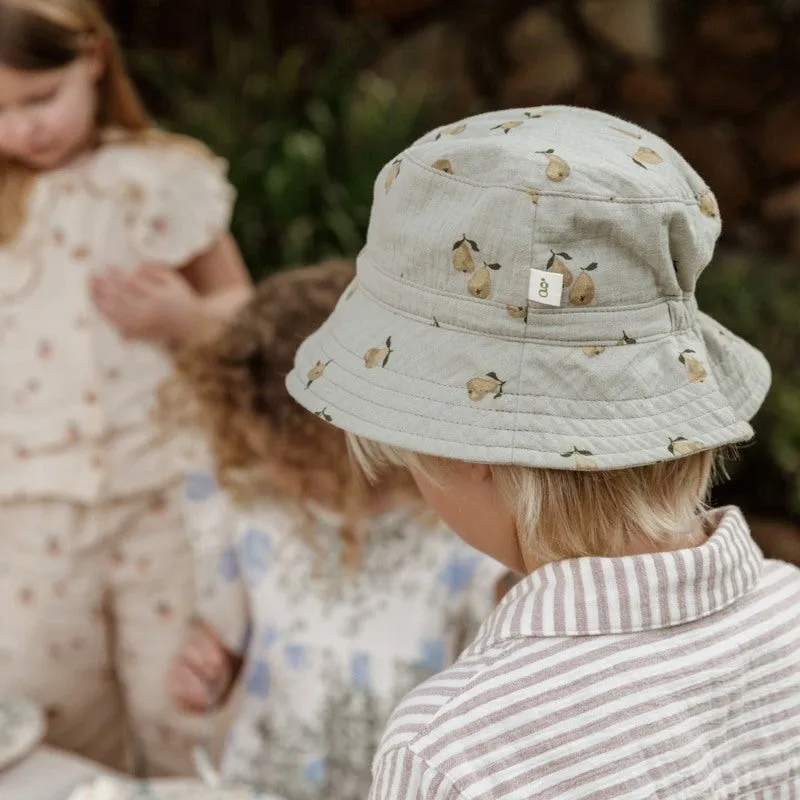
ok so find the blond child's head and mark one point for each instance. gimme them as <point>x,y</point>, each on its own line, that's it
<point>524,337</point>
<point>233,388</point>
<point>527,517</point>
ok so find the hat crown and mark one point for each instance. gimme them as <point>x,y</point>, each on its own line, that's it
<point>462,216</point>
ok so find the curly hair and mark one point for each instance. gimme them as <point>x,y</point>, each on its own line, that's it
<point>262,442</point>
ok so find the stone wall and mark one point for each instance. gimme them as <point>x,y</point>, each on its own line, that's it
<point>718,78</point>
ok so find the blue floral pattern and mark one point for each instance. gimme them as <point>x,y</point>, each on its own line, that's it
<point>258,679</point>
<point>255,548</point>
<point>229,565</point>
<point>360,670</point>
<point>458,572</point>
<point>334,650</point>
<point>200,485</point>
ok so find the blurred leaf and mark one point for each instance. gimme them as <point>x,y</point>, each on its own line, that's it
<point>756,297</point>
<point>304,141</point>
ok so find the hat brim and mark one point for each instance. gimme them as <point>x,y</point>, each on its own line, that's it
<point>407,382</point>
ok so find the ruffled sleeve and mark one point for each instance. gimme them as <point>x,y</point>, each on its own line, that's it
<point>177,202</point>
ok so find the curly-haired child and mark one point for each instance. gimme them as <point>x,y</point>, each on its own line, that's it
<point>337,598</point>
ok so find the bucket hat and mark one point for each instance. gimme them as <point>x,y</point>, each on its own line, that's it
<point>526,295</point>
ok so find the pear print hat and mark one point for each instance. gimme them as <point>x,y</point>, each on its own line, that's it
<point>526,296</point>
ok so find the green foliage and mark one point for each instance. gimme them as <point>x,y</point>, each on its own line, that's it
<point>304,144</point>
<point>756,297</point>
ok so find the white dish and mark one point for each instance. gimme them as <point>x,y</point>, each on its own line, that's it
<point>22,727</point>
<point>117,789</point>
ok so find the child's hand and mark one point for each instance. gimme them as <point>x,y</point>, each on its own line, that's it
<point>203,672</point>
<point>149,303</point>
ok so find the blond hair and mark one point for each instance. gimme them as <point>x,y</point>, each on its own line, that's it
<point>562,514</point>
<point>37,35</point>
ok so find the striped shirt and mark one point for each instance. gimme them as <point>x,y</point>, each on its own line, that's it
<point>673,675</point>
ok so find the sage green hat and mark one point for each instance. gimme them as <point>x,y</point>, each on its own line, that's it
<point>526,296</point>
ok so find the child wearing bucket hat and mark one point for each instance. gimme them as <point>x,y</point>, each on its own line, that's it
<point>523,335</point>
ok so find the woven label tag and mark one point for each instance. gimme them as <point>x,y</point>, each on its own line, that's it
<point>545,287</point>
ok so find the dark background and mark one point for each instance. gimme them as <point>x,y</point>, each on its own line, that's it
<point>308,99</point>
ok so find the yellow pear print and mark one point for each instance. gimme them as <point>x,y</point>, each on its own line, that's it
<point>462,254</point>
<point>452,131</point>
<point>593,350</point>
<point>556,264</point>
<point>632,134</point>
<point>707,204</point>
<point>694,367</point>
<point>480,284</point>
<point>378,356</point>
<point>644,155</point>
<point>391,176</point>
<point>489,384</point>
<point>533,195</point>
<point>323,414</point>
<point>352,290</point>
<point>507,126</point>
<point>316,372</point>
<point>518,312</point>
<point>557,169</point>
<point>582,459</point>
<point>626,339</point>
<point>682,447</point>
<point>583,290</point>
<point>444,165</point>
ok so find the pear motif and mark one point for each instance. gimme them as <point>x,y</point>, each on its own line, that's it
<point>351,290</point>
<point>507,126</point>
<point>533,195</point>
<point>644,155</point>
<point>316,372</point>
<point>556,264</point>
<point>707,204</point>
<point>626,339</point>
<point>490,384</point>
<point>480,284</point>
<point>378,356</point>
<point>444,165</point>
<point>518,312</point>
<point>323,414</point>
<point>394,171</point>
<point>592,351</point>
<point>452,131</point>
<point>583,460</point>
<point>694,367</point>
<point>682,447</point>
<point>583,290</point>
<point>462,254</point>
<point>632,134</point>
<point>557,169</point>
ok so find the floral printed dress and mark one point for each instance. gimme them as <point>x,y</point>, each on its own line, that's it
<point>329,651</point>
<point>76,397</point>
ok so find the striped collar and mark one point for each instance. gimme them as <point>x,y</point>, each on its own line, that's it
<point>593,596</point>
